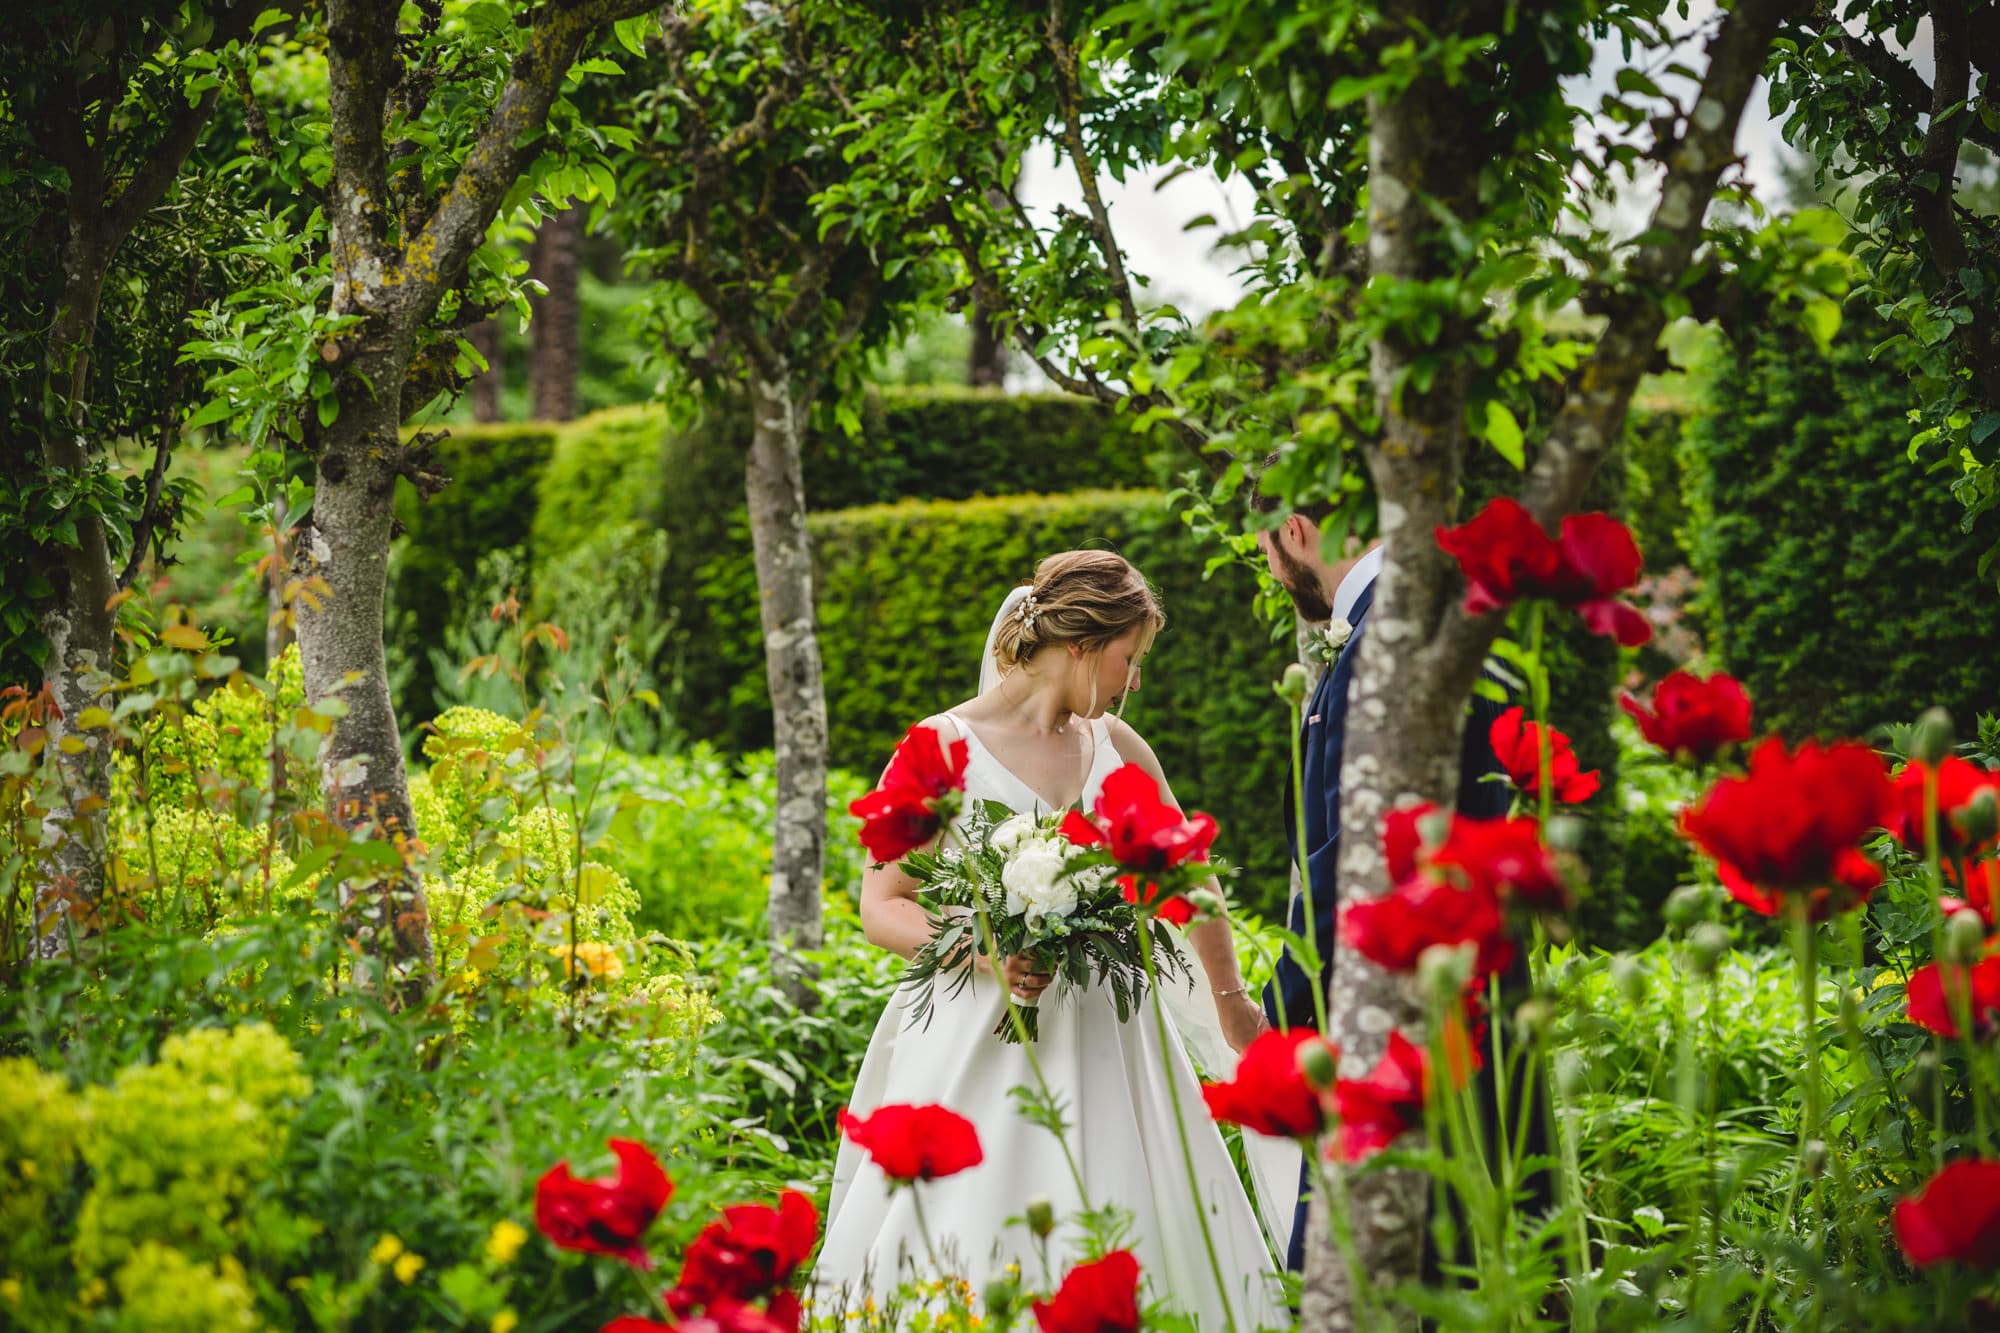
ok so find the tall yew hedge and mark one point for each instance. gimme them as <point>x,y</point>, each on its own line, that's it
<point>1837,580</point>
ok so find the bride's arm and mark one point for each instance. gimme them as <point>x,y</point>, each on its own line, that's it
<point>1241,1014</point>
<point>893,919</point>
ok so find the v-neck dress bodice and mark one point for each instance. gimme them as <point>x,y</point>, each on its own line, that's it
<point>987,779</point>
<point>1122,1086</point>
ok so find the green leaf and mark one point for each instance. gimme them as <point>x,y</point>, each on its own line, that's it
<point>218,409</point>
<point>596,65</point>
<point>1503,432</point>
<point>1822,321</point>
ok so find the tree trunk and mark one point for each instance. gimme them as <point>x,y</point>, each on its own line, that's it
<point>1405,708</point>
<point>555,332</point>
<point>340,649</point>
<point>986,368</point>
<point>486,385</point>
<point>79,627</point>
<point>776,492</point>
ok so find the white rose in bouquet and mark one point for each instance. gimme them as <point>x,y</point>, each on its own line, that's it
<point>1034,880</point>
<point>1008,833</point>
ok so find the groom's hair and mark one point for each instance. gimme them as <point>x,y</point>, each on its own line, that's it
<point>1315,512</point>
<point>1088,598</point>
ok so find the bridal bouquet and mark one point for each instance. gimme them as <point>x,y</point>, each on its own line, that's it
<point>1075,892</point>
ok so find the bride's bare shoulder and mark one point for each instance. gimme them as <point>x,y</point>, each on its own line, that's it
<point>1131,746</point>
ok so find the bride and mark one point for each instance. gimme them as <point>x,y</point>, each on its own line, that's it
<point>1063,651</point>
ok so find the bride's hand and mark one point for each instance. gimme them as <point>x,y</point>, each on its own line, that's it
<point>1242,1019</point>
<point>1024,978</point>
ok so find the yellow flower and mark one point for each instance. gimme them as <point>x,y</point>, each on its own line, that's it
<point>598,959</point>
<point>506,1241</point>
<point>386,1250</point>
<point>28,1168</point>
<point>10,1290</point>
<point>505,1321</point>
<point>407,1267</point>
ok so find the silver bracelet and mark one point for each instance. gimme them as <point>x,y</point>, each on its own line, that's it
<point>1225,994</point>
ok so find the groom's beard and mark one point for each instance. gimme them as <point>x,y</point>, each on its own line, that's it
<point>1309,599</point>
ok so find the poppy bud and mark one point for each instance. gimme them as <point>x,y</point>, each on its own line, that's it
<point>1434,828</point>
<point>1979,818</point>
<point>1317,1065</point>
<point>1964,937</point>
<point>1000,1295</point>
<point>1295,685</point>
<point>1815,1158</point>
<point>1207,904</point>
<point>1445,969</point>
<point>1564,832</point>
<point>1707,943</point>
<point>1532,1019</point>
<point>1629,978</point>
<point>1571,1078</point>
<point>1041,1216</point>
<point>1685,906</point>
<point>1919,1085</point>
<point>1930,740</point>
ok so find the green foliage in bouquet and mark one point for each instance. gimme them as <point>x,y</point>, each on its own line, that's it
<point>1012,884</point>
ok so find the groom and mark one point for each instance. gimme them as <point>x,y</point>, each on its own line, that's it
<point>1340,592</point>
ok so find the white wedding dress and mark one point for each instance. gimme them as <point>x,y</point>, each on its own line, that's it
<point>1116,1083</point>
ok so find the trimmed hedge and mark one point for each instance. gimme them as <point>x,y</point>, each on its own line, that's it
<point>1838,583</point>
<point>906,593</point>
<point>924,444</point>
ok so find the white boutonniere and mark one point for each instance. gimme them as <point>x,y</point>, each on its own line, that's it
<point>1325,645</point>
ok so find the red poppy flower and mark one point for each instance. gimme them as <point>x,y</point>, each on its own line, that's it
<point>752,1250</point>
<point>1517,744</point>
<point>1097,1297</point>
<point>1958,782</point>
<point>1393,931</point>
<point>1980,885</point>
<point>1377,1110</point>
<point>1270,1094</point>
<point>1506,557</point>
<point>916,1142</point>
<point>1174,908</point>
<point>1141,831</point>
<point>1403,840</point>
<point>1793,825</point>
<point>605,1216</point>
<point>1955,1218</point>
<point>910,806</point>
<point>1930,1006</point>
<point>1693,717</point>
<point>1505,858</point>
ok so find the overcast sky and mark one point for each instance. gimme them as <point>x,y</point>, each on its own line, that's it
<point>1150,219</point>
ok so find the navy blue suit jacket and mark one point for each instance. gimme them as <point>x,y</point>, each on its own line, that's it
<point>1324,730</point>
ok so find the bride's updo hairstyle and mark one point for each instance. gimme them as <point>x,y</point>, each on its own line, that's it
<point>1088,598</point>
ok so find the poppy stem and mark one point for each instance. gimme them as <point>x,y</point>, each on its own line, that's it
<point>1180,1120</point>
<point>1312,959</point>
<point>923,1225</point>
<point>1805,944</point>
<point>1027,1045</point>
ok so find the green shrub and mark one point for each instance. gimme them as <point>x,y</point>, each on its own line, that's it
<point>697,848</point>
<point>906,593</point>
<point>1837,581</point>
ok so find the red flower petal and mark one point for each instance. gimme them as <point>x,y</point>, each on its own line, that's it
<point>916,1142</point>
<point>1099,1297</point>
<point>1270,1094</point>
<point>1955,1218</point>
